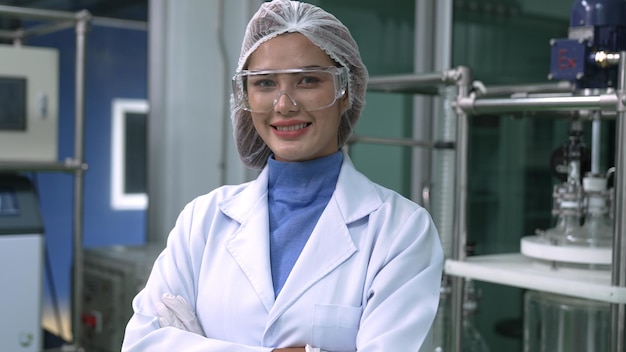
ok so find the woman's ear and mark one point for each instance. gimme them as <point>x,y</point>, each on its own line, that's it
<point>344,103</point>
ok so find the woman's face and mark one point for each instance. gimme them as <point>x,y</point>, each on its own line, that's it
<point>290,132</point>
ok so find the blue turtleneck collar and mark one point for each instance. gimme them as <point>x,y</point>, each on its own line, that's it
<point>305,179</point>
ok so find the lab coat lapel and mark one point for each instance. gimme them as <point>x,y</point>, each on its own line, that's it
<point>249,245</point>
<point>328,247</point>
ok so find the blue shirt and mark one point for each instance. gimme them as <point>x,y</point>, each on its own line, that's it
<point>298,194</point>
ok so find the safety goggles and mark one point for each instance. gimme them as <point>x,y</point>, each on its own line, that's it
<point>309,89</point>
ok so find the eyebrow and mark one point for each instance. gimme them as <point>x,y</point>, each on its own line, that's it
<point>290,68</point>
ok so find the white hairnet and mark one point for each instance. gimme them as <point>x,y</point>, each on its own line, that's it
<point>322,29</point>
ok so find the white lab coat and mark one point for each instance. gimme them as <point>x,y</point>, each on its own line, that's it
<point>367,280</point>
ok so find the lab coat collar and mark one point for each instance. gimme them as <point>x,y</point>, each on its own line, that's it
<point>329,245</point>
<point>355,195</point>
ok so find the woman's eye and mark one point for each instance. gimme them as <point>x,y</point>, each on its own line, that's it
<point>263,83</point>
<point>309,80</point>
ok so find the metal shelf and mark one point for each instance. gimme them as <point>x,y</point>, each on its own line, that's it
<point>75,164</point>
<point>68,165</point>
<point>516,270</point>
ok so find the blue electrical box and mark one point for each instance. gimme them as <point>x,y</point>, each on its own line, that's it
<point>595,25</point>
<point>568,59</point>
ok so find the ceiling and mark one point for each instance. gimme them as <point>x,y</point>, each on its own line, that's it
<point>124,9</point>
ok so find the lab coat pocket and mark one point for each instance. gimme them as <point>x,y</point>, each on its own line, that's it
<point>335,327</point>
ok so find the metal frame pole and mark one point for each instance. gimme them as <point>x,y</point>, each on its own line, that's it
<point>156,224</point>
<point>83,18</point>
<point>618,271</point>
<point>460,217</point>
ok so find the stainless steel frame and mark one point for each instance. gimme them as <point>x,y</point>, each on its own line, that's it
<point>492,100</point>
<point>469,104</point>
<point>76,165</point>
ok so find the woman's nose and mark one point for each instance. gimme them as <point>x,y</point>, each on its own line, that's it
<point>285,103</point>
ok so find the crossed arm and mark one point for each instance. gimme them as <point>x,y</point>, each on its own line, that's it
<point>174,311</point>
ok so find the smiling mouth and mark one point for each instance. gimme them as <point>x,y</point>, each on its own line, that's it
<point>292,127</point>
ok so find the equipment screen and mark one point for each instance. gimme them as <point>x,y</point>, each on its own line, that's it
<point>8,202</point>
<point>12,103</point>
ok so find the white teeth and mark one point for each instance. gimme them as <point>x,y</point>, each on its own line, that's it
<point>292,127</point>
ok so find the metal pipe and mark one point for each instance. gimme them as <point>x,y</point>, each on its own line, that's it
<point>460,216</point>
<point>618,268</point>
<point>41,14</point>
<point>406,142</point>
<point>507,90</point>
<point>70,165</point>
<point>423,106</point>
<point>595,142</point>
<point>38,14</point>
<point>426,83</point>
<point>83,18</point>
<point>47,28</point>
<point>474,105</point>
<point>119,23</point>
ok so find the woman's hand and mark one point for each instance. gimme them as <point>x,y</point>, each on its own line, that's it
<point>174,311</point>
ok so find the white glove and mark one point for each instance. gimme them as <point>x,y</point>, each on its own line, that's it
<point>174,311</point>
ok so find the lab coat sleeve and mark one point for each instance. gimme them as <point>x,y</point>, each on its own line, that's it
<point>175,271</point>
<point>402,300</point>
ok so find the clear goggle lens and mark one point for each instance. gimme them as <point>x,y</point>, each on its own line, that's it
<point>309,89</point>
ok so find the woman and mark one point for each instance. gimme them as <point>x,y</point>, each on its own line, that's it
<point>311,255</point>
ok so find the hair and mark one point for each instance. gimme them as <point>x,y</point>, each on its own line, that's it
<point>326,32</point>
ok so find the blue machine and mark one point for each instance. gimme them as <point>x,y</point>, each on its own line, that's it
<point>597,28</point>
